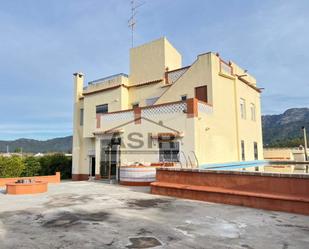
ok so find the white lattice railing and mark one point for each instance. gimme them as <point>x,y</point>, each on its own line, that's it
<point>151,112</point>
<point>175,74</point>
<point>164,109</point>
<point>204,108</point>
<point>118,117</point>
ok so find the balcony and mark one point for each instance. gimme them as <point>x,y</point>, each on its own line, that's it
<point>173,111</point>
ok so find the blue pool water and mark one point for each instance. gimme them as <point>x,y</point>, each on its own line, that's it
<point>260,166</point>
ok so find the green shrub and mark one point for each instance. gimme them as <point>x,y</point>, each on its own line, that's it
<point>11,166</point>
<point>16,166</point>
<point>58,162</point>
<point>32,166</point>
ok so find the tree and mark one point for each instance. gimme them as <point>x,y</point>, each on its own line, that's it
<point>18,150</point>
<point>11,166</point>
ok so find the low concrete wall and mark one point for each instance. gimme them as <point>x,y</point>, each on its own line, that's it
<point>278,154</point>
<point>28,188</point>
<point>137,175</point>
<point>282,192</point>
<point>49,179</point>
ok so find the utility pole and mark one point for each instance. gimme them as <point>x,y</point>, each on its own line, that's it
<point>305,141</point>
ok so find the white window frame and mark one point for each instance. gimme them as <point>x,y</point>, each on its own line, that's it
<point>242,108</point>
<point>253,111</point>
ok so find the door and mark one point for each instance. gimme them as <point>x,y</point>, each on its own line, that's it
<point>105,161</point>
<point>92,166</point>
<point>110,158</point>
<point>115,156</point>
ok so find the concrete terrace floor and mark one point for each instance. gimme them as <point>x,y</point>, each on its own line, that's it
<point>99,215</point>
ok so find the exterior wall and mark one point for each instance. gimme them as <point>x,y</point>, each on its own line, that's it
<point>113,98</point>
<point>142,93</point>
<point>213,136</point>
<point>250,131</point>
<point>198,74</point>
<point>221,137</point>
<point>229,128</point>
<point>77,130</point>
<point>218,134</point>
<point>148,62</point>
<point>149,125</point>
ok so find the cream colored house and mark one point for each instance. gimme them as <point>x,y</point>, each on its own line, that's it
<point>204,113</point>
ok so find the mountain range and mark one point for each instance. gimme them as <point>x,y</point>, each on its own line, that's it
<point>285,127</point>
<point>62,144</point>
<point>278,130</point>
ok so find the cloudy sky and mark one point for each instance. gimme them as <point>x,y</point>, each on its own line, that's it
<point>43,42</point>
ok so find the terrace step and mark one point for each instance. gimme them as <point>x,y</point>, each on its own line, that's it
<point>279,202</point>
<point>228,191</point>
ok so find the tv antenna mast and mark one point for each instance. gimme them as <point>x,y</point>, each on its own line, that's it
<point>132,20</point>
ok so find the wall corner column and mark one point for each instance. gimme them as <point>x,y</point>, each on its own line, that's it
<point>192,108</point>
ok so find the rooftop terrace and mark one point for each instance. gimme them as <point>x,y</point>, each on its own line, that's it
<point>99,215</point>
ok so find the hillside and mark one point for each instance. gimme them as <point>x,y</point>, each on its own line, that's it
<point>282,128</point>
<point>63,144</point>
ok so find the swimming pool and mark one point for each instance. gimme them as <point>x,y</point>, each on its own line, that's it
<point>261,166</point>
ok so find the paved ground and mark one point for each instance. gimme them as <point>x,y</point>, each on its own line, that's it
<point>98,215</point>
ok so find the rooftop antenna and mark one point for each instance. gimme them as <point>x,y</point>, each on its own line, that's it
<point>132,21</point>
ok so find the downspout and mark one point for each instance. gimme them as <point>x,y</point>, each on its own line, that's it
<point>236,119</point>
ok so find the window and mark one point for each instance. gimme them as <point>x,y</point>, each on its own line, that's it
<point>135,105</point>
<point>243,108</point>
<point>256,152</point>
<point>81,117</point>
<point>201,93</point>
<point>169,151</point>
<point>252,108</point>
<point>102,108</point>
<point>183,97</point>
<point>151,101</point>
<point>243,157</point>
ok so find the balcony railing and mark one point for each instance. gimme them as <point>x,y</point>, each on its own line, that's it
<point>155,112</point>
<point>174,75</point>
<point>226,67</point>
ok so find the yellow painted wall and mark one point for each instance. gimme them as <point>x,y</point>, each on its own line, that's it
<point>176,121</point>
<point>142,93</point>
<point>214,137</point>
<point>114,100</point>
<point>197,75</point>
<point>149,61</point>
